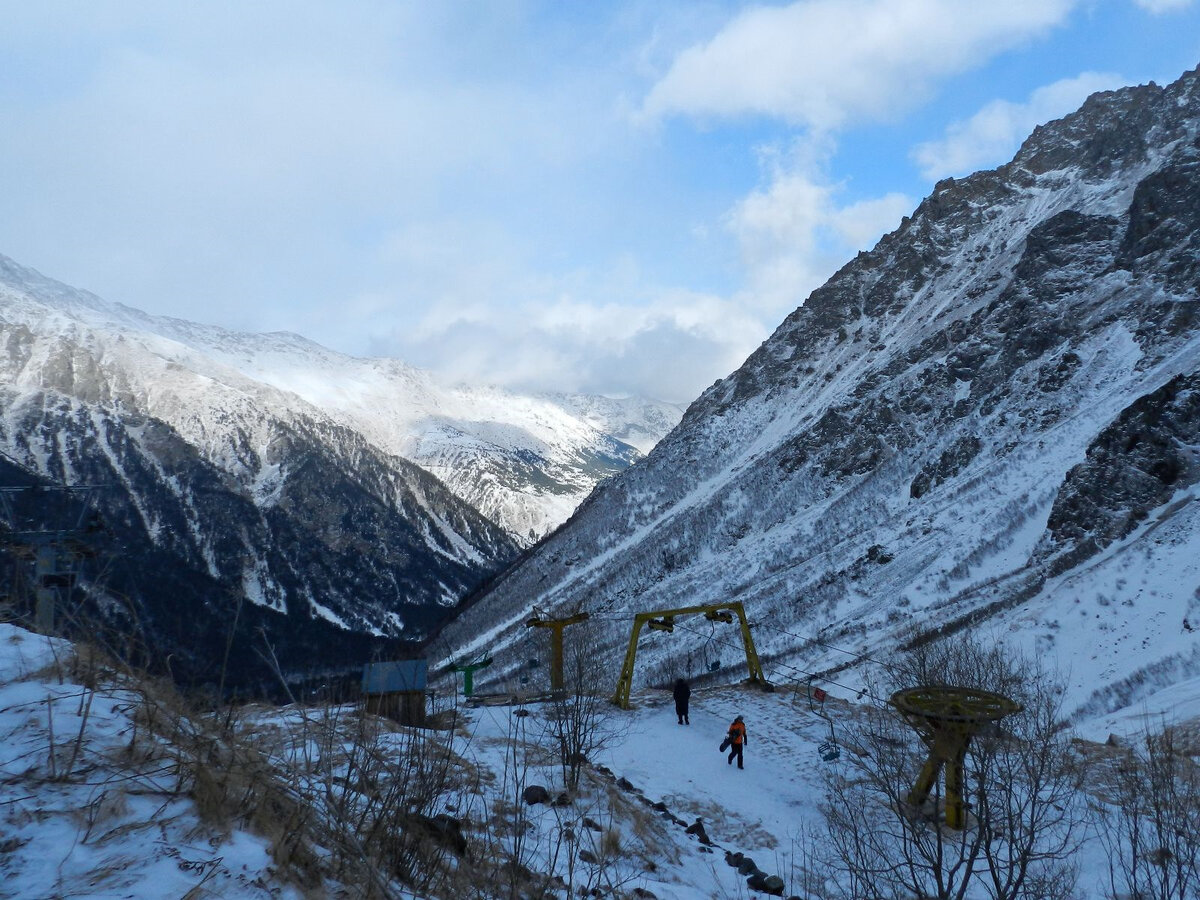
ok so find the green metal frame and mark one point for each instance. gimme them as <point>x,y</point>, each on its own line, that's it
<point>468,671</point>
<point>665,622</point>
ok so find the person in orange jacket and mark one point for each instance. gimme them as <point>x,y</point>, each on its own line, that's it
<point>737,740</point>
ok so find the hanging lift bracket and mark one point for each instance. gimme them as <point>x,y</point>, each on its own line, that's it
<point>664,620</point>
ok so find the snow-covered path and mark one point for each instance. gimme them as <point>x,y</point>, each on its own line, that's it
<point>757,810</point>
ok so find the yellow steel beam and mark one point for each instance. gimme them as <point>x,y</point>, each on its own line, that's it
<point>625,679</point>
<point>556,627</point>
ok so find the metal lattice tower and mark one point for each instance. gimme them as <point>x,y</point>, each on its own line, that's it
<point>49,528</point>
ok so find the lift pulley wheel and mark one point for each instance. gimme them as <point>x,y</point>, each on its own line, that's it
<point>935,703</point>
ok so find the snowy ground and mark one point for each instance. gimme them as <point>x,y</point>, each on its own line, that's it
<point>84,815</point>
<point>676,772</point>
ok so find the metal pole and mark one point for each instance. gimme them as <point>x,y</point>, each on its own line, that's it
<point>47,557</point>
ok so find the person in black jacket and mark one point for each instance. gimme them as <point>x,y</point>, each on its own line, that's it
<point>681,693</point>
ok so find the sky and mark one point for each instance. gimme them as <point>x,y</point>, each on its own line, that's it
<point>621,198</point>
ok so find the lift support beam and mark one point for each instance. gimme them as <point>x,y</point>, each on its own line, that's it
<point>556,627</point>
<point>665,621</point>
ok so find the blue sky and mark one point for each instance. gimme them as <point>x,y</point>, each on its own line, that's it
<point>621,197</point>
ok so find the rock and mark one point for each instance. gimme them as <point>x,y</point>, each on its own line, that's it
<point>534,794</point>
<point>747,866</point>
<point>757,882</point>
<point>644,894</point>
<point>734,859</point>
<point>697,828</point>
<point>443,830</point>
<point>773,885</point>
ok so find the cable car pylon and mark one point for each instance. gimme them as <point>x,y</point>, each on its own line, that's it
<point>946,718</point>
<point>664,620</point>
<point>556,627</point>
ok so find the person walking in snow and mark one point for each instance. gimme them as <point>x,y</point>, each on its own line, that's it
<point>737,740</point>
<point>681,693</point>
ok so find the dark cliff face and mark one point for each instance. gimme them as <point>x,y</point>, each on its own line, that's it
<point>941,404</point>
<point>1144,458</point>
<point>352,553</point>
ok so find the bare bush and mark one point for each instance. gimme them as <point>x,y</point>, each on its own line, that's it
<point>1023,779</point>
<point>580,719</point>
<point>1150,825</point>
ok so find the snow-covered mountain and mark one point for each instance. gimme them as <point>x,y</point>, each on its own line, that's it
<point>990,421</point>
<point>524,461</point>
<point>270,468</point>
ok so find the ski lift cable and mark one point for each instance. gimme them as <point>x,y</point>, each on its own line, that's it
<point>799,637</point>
<point>776,663</point>
<point>794,669</point>
<point>828,646</point>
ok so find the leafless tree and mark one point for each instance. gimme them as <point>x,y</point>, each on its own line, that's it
<point>879,845</point>
<point>1150,824</point>
<point>580,720</point>
<point>1029,803</point>
<point>1023,777</point>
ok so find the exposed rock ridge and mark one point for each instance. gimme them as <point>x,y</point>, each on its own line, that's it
<point>890,457</point>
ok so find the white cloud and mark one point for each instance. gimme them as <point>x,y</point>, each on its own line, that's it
<point>794,234</point>
<point>825,63</point>
<point>238,165</point>
<point>992,135</point>
<point>669,348</point>
<point>1158,7</point>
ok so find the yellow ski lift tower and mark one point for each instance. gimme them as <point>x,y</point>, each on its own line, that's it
<point>664,620</point>
<point>946,718</point>
<point>556,627</point>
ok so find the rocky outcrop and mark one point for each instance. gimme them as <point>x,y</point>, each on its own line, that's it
<point>964,395</point>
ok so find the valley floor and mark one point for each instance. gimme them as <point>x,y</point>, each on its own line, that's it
<point>96,801</point>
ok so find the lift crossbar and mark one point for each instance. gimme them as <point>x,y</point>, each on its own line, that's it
<point>716,612</point>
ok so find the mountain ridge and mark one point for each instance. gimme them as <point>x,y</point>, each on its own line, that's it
<point>523,460</point>
<point>886,463</point>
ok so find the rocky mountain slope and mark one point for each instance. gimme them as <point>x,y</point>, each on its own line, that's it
<point>269,468</point>
<point>990,421</point>
<point>525,461</point>
<point>216,489</point>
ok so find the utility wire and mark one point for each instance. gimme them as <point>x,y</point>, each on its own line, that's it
<point>778,664</point>
<point>827,646</point>
<point>775,663</point>
<point>799,637</point>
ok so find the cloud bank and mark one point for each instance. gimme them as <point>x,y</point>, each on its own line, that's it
<point>822,64</point>
<point>622,198</point>
<point>993,134</point>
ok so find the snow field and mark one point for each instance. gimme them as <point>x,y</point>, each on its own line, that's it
<point>88,811</point>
